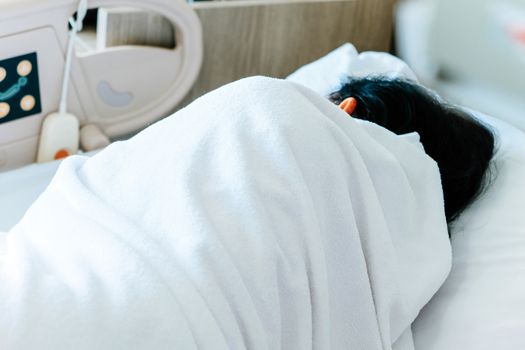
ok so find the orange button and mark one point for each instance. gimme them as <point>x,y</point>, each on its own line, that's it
<point>63,153</point>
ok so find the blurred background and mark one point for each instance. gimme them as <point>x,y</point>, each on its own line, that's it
<point>471,51</point>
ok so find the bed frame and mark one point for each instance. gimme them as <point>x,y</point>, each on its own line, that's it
<point>267,37</point>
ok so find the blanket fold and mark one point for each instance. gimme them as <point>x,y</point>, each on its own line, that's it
<point>258,217</point>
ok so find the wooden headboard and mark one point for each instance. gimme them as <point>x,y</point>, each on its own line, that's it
<point>275,37</point>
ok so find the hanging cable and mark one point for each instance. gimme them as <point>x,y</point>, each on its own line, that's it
<point>59,137</point>
<point>76,26</point>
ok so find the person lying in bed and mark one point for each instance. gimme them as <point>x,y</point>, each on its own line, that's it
<point>258,217</point>
<point>461,145</point>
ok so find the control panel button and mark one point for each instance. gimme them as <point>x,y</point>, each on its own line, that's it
<point>24,68</point>
<point>27,103</point>
<point>5,108</point>
<point>61,154</point>
<point>3,74</point>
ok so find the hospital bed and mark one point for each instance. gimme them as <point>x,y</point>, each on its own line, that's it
<point>470,312</point>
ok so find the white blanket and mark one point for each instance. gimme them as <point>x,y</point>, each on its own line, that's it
<point>259,217</point>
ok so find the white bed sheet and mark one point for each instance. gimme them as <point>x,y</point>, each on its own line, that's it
<point>20,188</point>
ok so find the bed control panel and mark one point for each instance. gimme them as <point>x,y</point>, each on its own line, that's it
<point>118,89</point>
<point>19,87</point>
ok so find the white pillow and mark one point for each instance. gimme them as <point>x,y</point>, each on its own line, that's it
<point>325,75</point>
<point>482,303</point>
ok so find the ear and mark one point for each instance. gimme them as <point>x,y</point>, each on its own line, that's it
<point>348,105</point>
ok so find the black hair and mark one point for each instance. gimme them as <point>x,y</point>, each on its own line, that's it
<point>459,143</point>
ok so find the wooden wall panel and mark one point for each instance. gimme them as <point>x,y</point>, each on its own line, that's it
<point>275,38</point>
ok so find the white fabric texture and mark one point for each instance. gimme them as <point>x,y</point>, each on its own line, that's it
<point>259,217</point>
